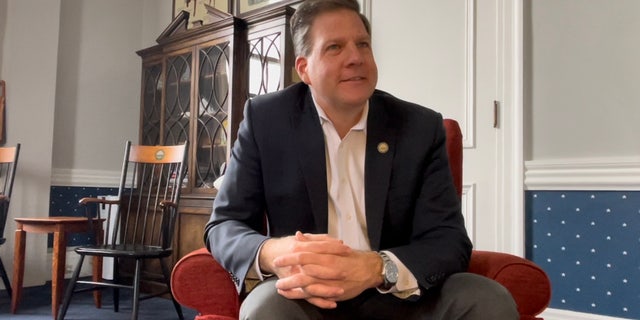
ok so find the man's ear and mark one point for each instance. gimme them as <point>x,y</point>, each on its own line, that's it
<point>301,68</point>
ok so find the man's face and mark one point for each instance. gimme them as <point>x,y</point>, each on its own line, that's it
<point>340,68</point>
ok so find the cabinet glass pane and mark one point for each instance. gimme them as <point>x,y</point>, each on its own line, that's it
<point>152,98</point>
<point>213,114</point>
<point>178,99</point>
<point>265,62</point>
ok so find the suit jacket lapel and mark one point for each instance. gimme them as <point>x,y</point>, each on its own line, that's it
<point>309,139</point>
<point>381,136</point>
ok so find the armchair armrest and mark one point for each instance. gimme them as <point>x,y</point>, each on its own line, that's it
<point>528,283</point>
<point>87,200</point>
<point>200,283</point>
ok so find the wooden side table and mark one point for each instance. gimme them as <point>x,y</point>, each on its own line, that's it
<point>59,226</point>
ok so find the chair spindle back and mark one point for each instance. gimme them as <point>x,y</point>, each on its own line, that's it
<point>148,195</point>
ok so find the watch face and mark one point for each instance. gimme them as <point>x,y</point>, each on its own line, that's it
<point>391,272</point>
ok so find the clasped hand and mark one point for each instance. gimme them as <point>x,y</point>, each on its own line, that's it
<point>319,268</point>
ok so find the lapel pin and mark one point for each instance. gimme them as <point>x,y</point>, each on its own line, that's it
<point>383,147</point>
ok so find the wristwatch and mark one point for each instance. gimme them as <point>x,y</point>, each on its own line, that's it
<point>389,272</point>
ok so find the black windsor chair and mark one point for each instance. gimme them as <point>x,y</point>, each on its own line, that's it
<point>146,212</point>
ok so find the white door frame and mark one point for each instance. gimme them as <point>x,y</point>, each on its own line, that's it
<point>510,147</point>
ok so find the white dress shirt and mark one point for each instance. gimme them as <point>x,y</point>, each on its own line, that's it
<point>345,182</point>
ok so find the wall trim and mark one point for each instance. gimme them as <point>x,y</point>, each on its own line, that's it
<point>366,9</point>
<point>558,314</point>
<point>509,133</point>
<point>583,174</point>
<point>468,127</point>
<point>85,178</point>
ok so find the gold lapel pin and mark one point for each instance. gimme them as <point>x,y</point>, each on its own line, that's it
<point>383,147</point>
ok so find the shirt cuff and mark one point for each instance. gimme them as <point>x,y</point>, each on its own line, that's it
<point>255,272</point>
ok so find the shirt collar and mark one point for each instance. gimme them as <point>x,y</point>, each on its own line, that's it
<point>361,125</point>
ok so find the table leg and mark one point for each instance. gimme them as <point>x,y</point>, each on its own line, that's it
<point>18,268</point>
<point>57,270</point>
<point>97,276</point>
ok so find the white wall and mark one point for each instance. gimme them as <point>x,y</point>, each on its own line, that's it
<point>98,83</point>
<point>73,80</point>
<point>582,101</point>
<point>29,66</point>
<point>584,76</point>
<point>98,92</point>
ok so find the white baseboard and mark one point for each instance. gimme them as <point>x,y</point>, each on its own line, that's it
<point>558,314</point>
<point>583,174</point>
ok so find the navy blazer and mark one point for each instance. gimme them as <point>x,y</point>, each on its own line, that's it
<point>277,166</point>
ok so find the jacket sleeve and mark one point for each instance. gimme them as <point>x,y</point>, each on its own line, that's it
<point>231,234</point>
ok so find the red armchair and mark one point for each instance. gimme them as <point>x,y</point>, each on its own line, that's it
<point>199,282</point>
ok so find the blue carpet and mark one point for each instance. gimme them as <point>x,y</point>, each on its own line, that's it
<point>36,305</point>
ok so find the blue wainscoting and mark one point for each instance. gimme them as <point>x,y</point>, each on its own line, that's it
<point>588,242</point>
<point>64,202</point>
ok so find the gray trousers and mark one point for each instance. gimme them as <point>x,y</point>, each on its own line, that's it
<point>463,296</point>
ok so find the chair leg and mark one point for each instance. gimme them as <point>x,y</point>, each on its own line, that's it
<point>167,280</point>
<point>5,279</point>
<point>136,289</point>
<point>116,291</point>
<point>70,288</point>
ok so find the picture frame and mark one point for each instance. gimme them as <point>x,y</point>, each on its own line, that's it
<point>243,8</point>
<point>200,10</point>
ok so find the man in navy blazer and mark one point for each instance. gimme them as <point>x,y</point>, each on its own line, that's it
<point>362,217</point>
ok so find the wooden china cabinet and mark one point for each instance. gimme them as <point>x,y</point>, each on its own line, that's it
<point>194,86</point>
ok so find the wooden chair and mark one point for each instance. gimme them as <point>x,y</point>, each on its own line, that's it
<point>145,217</point>
<point>8,164</point>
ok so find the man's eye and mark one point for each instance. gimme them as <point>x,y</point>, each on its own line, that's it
<point>333,47</point>
<point>364,45</point>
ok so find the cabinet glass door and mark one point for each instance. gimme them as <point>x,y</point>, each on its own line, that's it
<point>178,100</point>
<point>152,99</point>
<point>213,114</point>
<point>265,64</point>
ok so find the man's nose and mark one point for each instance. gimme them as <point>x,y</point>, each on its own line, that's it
<point>354,54</point>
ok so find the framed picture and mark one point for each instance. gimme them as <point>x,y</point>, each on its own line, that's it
<point>247,7</point>
<point>199,10</point>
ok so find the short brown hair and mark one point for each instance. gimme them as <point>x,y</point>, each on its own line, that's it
<point>307,12</point>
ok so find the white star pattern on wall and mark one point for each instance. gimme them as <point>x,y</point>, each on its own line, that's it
<point>589,245</point>
<point>64,202</point>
